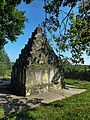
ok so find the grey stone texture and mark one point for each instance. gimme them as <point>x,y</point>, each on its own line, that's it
<point>36,68</point>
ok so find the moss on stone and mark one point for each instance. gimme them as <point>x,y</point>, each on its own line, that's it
<point>40,66</point>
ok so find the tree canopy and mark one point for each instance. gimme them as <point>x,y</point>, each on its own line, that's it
<point>12,21</point>
<point>76,37</point>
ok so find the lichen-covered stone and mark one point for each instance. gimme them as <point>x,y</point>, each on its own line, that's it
<point>35,68</point>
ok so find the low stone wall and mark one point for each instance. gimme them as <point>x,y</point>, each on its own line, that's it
<point>40,80</point>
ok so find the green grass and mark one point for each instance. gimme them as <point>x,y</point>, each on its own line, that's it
<point>76,107</point>
<point>1,113</point>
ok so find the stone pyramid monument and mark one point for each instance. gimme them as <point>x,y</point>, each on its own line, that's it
<point>36,67</point>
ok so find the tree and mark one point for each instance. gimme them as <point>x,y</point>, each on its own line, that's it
<point>4,62</point>
<point>11,20</point>
<point>79,33</point>
<point>12,23</point>
<point>76,38</point>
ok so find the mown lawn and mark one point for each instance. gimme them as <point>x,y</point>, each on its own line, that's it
<point>76,107</point>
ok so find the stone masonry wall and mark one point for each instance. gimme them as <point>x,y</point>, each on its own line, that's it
<point>39,80</point>
<point>36,51</point>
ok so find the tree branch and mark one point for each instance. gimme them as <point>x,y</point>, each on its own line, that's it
<point>67,15</point>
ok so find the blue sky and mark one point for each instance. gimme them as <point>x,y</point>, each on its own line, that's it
<point>35,14</point>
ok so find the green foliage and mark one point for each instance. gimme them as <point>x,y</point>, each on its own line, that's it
<point>5,65</point>
<point>1,113</point>
<point>80,72</point>
<point>43,65</point>
<point>77,38</point>
<point>78,68</point>
<point>11,20</point>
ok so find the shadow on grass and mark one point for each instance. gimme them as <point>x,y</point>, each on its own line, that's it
<point>15,106</point>
<point>72,83</point>
<point>53,104</point>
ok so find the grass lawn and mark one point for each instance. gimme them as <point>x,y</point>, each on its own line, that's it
<point>76,107</point>
<point>1,113</point>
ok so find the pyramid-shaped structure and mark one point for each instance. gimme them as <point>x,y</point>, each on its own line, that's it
<point>34,70</point>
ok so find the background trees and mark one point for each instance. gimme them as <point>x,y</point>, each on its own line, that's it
<point>5,65</point>
<point>79,72</point>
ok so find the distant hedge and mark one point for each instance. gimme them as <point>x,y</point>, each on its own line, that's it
<point>78,75</point>
<point>80,72</point>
